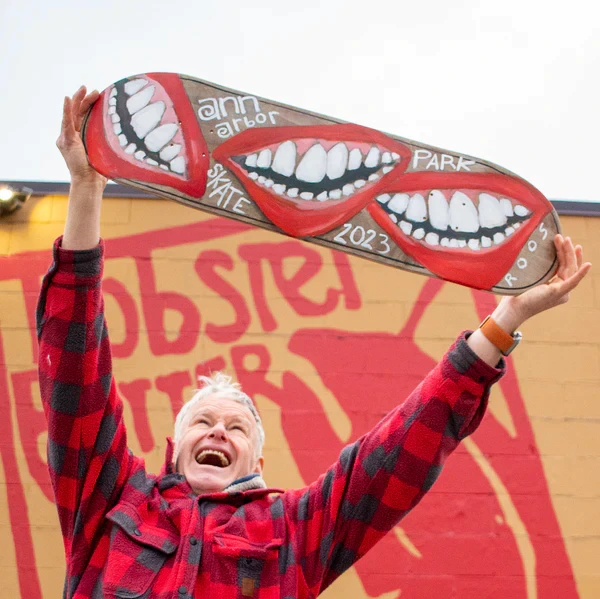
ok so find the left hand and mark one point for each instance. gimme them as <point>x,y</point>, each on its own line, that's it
<point>512,311</point>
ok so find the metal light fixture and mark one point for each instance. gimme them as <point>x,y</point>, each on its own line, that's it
<point>12,199</point>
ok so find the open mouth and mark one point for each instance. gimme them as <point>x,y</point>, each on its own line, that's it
<point>308,180</point>
<point>466,228</point>
<point>213,457</point>
<point>149,133</point>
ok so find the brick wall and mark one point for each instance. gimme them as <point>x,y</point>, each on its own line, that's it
<point>515,514</point>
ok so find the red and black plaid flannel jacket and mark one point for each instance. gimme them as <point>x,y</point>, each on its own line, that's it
<point>130,534</point>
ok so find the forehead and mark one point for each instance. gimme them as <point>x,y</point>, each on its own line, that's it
<point>222,407</point>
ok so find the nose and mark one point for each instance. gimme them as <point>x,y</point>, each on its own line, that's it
<point>218,431</point>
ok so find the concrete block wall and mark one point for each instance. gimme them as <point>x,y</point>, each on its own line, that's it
<point>323,339</point>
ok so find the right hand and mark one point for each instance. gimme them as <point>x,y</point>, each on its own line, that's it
<point>69,141</point>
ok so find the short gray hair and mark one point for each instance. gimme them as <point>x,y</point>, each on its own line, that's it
<point>221,386</point>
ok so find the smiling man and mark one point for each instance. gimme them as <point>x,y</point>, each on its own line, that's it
<point>207,525</point>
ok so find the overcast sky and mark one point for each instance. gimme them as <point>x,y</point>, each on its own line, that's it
<point>515,82</point>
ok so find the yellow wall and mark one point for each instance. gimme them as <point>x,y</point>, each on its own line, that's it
<point>533,492</point>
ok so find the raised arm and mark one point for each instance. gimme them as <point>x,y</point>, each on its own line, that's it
<point>88,459</point>
<point>82,227</point>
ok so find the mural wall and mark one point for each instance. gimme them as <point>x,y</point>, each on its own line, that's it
<point>326,344</point>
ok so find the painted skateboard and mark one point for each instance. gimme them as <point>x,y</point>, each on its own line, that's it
<point>344,186</point>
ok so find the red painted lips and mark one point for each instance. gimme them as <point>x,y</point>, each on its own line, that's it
<point>144,129</point>
<point>309,180</point>
<point>467,228</point>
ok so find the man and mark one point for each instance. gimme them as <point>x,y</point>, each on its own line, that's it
<point>208,526</point>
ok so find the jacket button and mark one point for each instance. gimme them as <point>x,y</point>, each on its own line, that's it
<point>182,590</point>
<point>193,541</point>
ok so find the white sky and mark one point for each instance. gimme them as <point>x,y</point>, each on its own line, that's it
<point>516,82</point>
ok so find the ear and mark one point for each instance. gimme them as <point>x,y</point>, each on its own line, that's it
<point>258,467</point>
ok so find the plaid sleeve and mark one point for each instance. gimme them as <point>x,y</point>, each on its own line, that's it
<point>382,476</point>
<point>88,458</point>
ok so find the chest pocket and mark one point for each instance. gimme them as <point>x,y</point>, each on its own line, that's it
<point>252,568</point>
<point>138,551</point>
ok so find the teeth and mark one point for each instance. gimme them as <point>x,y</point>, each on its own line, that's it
<point>509,231</point>
<point>386,158</point>
<point>115,118</point>
<point>387,169</point>
<point>453,243</point>
<point>507,207</point>
<point>253,176</point>
<point>373,177</point>
<point>335,194</point>
<point>122,140</point>
<point>463,214</point>
<point>307,195</point>
<point>337,161</point>
<point>170,152</point>
<point>416,211</point>
<point>293,193</point>
<point>395,156</point>
<point>439,214</point>
<point>251,160</point>
<point>405,227</point>
<point>160,137</point>
<point>113,92</point>
<point>419,234</point>
<point>491,214</point>
<point>516,225</point>
<point>348,189</point>
<point>264,159</point>
<point>203,454</point>
<point>278,188</point>
<point>372,158</point>
<point>147,118</point>
<point>285,159</point>
<point>399,202</point>
<point>262,179</point>
<point>140,100</point>
<point>178,165</point>
<point>393,217</point>
<point>359,183</point>
<point>322,196</point>
<point>140,154</point>
<point>151,161</point>
<point>130,149</point>
<point>462,243</point>
<point>112,109</point>
<point>164,167</point>
<point>313,166</point>
<point>354,160</point>
<point>117,128</point>
<point>498,238</point>
<point>445,242</point>
<point>474,244</point>
<point>112,101</point>
<point>486,242</point>
<point>269,183</point>
<point>383,198</point>
<point>521,211</point>
<point>132,87</point>
<point>432,238</point>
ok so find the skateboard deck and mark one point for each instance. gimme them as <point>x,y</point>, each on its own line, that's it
<point>399,202</point>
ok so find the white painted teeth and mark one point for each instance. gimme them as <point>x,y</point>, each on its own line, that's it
<point>251,160</point>
<point>354,160</point>
<point>416,211</point>
<point>372,158</point>
<point>313,166</point>
<point>463,214</point>
<point>399,203</point>
<point>491,214</point>
<point>278,189</point>
<point>117,128</point>
<point>264,159</point>
<point>147,119</point>
<point>439,214</point>
<point>460,215</point>
<point>335,194</point>
<point>158,138</point>
<point>170,152</point>
<point>130,149</point>
<point>139,155</point>
<point>132,87</point>
<point>178,165</point>
<point>348,189</point>
<point>337,161</point>
<point>386,158</point>
<point>285,159</point>
<point>140,100</point>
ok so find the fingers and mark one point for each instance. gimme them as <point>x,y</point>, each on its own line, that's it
<point>574,280</point>
<point>579,255</point>
<point>84,106</point>
<point>67,131</point>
